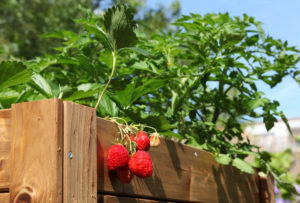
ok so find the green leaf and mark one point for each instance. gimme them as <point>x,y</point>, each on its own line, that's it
<point>171,134</point>
<point>39,64</point>
<point>107,106</point>
<point>132,93</point>
<point>137,50</point>
<point>224,159</point>
<point>80,94</point>
<point>13,73</point>
<point>258,102</point>
<point>41,85</point>
<point>243,165</point>
<point>8,93</point>
<point>285,120</point>
<point>269,121</point>
<point>142,66</point>
<point>124,97</point>
<point>85,91</point>
<point>119,26</point>
<point>160,123</point>
<point>147,87</point>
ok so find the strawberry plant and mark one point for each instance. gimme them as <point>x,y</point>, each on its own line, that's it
<point>196,84</point>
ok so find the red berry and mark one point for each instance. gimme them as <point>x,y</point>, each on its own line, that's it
<point>117,156</point>
<point>140,164</point>
<point>142,141</point>
<point>154,140</point>
<point>124,174</point>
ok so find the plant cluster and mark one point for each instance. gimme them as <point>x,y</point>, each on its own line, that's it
<point>196,84</point>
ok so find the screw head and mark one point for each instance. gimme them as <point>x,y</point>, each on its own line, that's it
<point>70,155</point>
<point>196,154</point>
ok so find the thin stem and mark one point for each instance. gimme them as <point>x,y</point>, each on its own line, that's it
<point>111,75</point>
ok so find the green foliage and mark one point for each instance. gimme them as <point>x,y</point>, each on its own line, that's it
<point>119,26</point>
<point>281,162</point>
<point>22,23</point>
<point>197,84</point>
<point>13,73</point>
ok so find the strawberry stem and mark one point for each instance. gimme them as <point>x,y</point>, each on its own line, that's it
<point>114,55</point>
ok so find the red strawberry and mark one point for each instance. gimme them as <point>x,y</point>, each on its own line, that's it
<point>117,156</point>
<point>142,141</point>
<point>154,140</point>
<point>140,164</point>
<point>124,174</point>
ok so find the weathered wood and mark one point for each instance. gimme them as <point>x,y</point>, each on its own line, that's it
<point>36,152</point>
<point>267,193</point>
<point>119,199</point>
<point>180,173</point>
<point>5,141</point>
<point>80,153</point>
<point>35,132</point>
<point>4,197</point>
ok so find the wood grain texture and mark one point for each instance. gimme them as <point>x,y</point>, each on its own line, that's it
<point>4,197</point>
<point>181,173</point>
<point>119,199</point>
<point>80,154</point>
<point>267,193</point>
<point>36,154</point>
<point>5,141</point>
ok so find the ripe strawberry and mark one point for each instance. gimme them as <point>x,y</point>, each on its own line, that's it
<point>140,164</point>
<point>124,174</point>
<point>117,156</point>
<point>154,140</point>
<point>142,141</point>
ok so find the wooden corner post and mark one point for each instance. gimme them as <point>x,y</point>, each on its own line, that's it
<point>52,150</point>
<point>36,152</point>
<point>80,154</point>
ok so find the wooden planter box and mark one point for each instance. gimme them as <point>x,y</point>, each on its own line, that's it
<point>55,151</point>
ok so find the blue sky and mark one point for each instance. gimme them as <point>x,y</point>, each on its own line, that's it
<point>281,19</point>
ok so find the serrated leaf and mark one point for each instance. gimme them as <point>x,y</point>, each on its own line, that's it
<point>119,26</point>
<point>124,96</point>
<point>107,106</point>
<point>243,165</point>
<point>13,73</point>
<point>224,159</point>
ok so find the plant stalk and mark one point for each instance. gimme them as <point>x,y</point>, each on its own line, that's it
<point>114,55</point>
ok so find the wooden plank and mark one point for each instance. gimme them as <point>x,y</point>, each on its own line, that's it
<point>80,153</point>
<point>267,193</point>
<point>5,141</point>
<point>180,173</point>
<point>4,197</point>
<point>119,199</point>
<point>36,154</point>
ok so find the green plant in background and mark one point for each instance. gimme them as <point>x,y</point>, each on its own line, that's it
<point>281,162</point>
<point>196,84</point>
<point>23,22</point>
